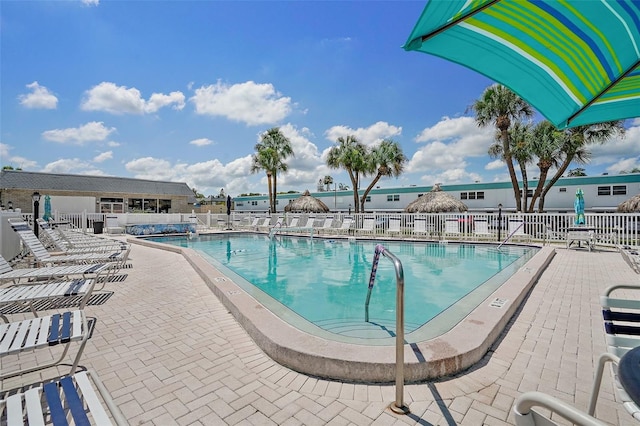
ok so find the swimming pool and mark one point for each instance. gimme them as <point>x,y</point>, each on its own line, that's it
<point>315,345</point>
<point>320,285</point>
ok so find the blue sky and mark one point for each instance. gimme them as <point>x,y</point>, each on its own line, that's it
<point>181,91</point>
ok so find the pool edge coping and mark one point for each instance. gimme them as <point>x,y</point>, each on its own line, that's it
<point>450,353</point>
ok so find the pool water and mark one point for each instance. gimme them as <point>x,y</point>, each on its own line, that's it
<point>320,285</point>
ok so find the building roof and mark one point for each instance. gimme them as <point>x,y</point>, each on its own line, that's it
<point>18,179</point>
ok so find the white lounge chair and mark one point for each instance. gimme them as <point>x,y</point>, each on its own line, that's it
<point>97,271</point>
<point>43,332</point>
<point>79,398</point>
<point>481,229</point>
<point>43,257</point>
<point>28,294</point>
<point>345,226</point>
<point>87,246</point>
<point>327,224</point>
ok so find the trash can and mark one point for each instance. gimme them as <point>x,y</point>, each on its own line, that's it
<point>98,226</point>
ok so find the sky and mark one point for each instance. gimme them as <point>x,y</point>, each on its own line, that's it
<point>182,90</point>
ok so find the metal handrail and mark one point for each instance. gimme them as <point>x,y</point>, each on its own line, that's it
<point>398,406</point>
<point>511,234</point>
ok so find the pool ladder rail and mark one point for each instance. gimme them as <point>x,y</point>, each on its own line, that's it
<point>398,406</point>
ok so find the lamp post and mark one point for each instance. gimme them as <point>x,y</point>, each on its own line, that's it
<point>36,211</point>
<point>499,222</point>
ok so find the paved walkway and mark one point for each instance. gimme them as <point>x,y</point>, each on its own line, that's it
<point>170,353</point>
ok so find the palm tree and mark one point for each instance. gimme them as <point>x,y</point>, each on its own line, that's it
<point>578,171</point>
<point>271,151</point>
<point>546,144</point>
<point>520,135</point>
<point>387,159</point>
<point>500,106</point>
<point>575,144</point>
<point>350,155</point>
<point>328,181</point>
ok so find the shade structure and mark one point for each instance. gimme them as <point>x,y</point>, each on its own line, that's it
<point>436,201</point>
<point>306,204</point>
<point>576,61</point>
<point>632,205</point>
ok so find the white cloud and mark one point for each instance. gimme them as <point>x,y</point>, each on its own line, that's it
<point>624,165</point>
<point>618,148</point>
<point>66,166</point>
<point>90,2</point>
<point>92,131</point>
<point>40,97</point>
<point>201,142</point>
<point>462,134</point>
<point>495,165</point>
<point>14,161</point>
<point>108,97</point>
<point>104,156</point>
<point>368,135</point>
<point>248,102</point>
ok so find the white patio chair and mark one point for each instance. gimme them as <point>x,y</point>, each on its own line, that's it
<point>452,228</point>
<point>327,224</point>
<point>481,229</point>
<point>43,332</point>
<point>79,398</point>
<point>112,226</point>
<point>516,229</point>
<point>394,225</point>
<point>622,327</point>
<point>368,225</point>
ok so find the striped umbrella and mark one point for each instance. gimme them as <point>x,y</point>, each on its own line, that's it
<point>576,61</point>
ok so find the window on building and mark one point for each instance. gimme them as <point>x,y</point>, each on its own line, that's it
<point>150,205</point>
<point>480,195</point>
<point>393,197</point>
<point>604,190</point>
<point>164,206</point>
<point>135,205</point>
<point>562,189</point>
<point>619,190</point>
<point>472,196</point>
<point>463,196</point>
<point>254,203</point>
<point>368,199</point>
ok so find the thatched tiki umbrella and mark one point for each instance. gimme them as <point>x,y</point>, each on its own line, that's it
<point>306,204</point>
<point>632,205</point>
<point>436,201</point>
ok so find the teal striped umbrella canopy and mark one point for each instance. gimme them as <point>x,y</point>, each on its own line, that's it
<point>576,61</point>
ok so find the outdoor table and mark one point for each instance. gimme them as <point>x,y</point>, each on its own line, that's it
<point>629,373</point>
<point>579,234</point>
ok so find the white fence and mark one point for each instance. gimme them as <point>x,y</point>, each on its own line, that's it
<point>609,228</point>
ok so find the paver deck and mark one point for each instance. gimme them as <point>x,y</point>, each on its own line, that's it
<point>170,353</point>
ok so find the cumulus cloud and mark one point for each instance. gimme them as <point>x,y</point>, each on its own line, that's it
<point>248,102</point>
<point>90,132</point>
<point>201,142</point>
<point>69,165</point>
<point>39,98</point>
<point>619,148</point>
<point>367,135</point>
<point>90,2</point>
<point>448,144</point>
<point>104,156</point>
<point>108,97</point>
<point>495,165</point>
<point>14,161</point>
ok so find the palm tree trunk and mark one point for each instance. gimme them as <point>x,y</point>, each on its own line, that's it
<point>512,171</point>
<point>369,188</point>
<point>275,192</point>
<point>270,190</point>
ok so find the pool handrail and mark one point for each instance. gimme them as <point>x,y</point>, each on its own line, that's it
<point>398,406</point>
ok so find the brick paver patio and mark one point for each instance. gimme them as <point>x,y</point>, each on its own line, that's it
<point>170,353</point>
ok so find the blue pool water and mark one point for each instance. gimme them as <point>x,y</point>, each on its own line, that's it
<point>324,282</point>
